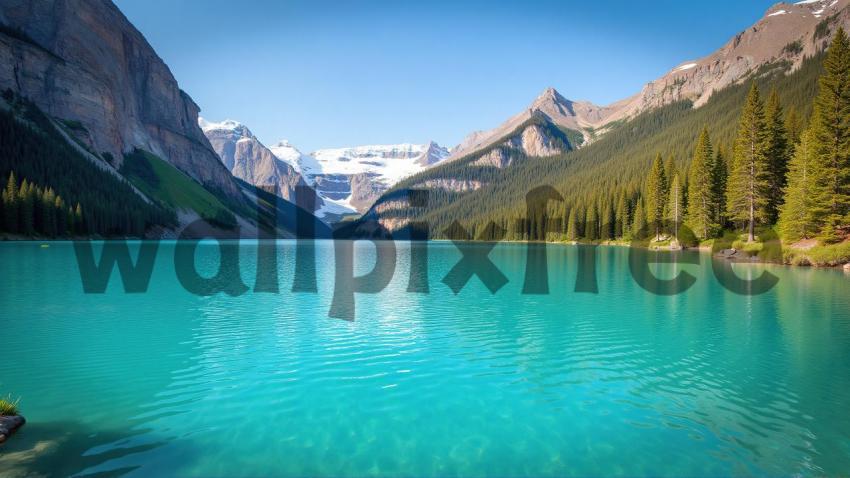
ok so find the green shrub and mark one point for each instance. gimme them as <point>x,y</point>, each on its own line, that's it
<point>8,407</point>
<point>829,255</point>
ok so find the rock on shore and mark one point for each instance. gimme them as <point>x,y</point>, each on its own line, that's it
<point>9,425</point>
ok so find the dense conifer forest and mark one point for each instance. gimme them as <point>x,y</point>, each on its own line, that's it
<point>772,151</point>
<point>51,190</point>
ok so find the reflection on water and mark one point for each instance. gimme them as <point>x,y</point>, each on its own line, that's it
<point>618,382</point>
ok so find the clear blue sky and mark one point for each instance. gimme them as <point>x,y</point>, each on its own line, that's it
<point>328,74</point>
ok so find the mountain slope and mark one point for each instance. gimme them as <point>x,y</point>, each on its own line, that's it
<point>787,32</point>
<point>578,116</point>
<point>83,62</point>
<point>248,159</point>
<point>615,163</point>
<point>103,102</point>
<point>352,178</point>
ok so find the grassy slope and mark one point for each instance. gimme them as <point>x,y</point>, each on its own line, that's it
<point>173,188</point>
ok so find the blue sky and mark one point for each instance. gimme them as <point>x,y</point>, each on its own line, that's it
<point>329,74</point>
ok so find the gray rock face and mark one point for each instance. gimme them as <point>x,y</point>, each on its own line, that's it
<point>366,188</point>
<point>9,425</point>
<point>787,33</point>
<point>248,159</point>
<point>580,116</point>
<point>87,63</point>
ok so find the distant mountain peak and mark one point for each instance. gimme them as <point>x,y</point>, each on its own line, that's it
<point>550,95</point>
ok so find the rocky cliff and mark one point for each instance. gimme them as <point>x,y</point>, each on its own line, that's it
<point>83,63</point>
<point>787,33</point>
<point>248,159</point>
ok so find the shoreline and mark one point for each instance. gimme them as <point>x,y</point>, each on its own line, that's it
<point>843,263</point>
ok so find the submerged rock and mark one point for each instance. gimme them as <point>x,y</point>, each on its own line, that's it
<point>10,424</point>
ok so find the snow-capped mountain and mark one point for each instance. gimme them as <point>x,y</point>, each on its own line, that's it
<point>248,159</point>
<point>353,178</point>
<point>347,180</point>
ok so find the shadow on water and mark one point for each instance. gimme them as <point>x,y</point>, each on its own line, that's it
<point>72,449</point>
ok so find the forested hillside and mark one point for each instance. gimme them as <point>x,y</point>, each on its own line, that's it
<point>38,165</point>
<point>606,176</point>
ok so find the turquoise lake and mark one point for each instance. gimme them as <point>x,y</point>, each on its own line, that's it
<point>621,382</point>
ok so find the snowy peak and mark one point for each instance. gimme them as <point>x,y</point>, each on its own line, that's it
<point>818,8</point>
<point>433,154</point>
<point>226,125</point>
<point>248,159</point>
<point>392,161</point>
<point>352,178</point>
<point>288,153</point>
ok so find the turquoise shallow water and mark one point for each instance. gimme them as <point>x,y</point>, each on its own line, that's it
<point>622,382</point>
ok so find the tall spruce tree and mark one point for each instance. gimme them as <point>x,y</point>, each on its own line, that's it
<point>802,213</point>
<point>622,224</point>
<point>591,227</point>
<point>26,200</point>
<point>830,141</point>
<point>701,189</point>
<point>793,125</point>
<point>747,188</point>
<point>675,206</point>
<point>639,221</point>
<point>778,154</point>
<point>609,222</point>
<point>10,196</point>
<point>720,175</point>
<point>572,226</point>
<point>656,195</point>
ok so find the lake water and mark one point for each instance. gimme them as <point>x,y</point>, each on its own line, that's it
<point>621,382</point>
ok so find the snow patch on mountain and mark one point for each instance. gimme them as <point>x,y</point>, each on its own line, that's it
<point>350,179</point>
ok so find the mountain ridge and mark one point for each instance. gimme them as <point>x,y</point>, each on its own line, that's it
<point>782,34</point>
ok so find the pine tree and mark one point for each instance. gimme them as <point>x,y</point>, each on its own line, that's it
<point>48,215</point>
<point>80,226</point>
<point>639,221</point>
<point>778,154</point>
<point>26,209</point>
<point>622,220</point>
<point>10,195</point>
<point>801,214</point>
<point>720,175</point>
<point>793,125</point>
<point>656,195</point>
<point>701,189</point>
<point>59,216</point>
<point>591,226</point>
<point>747,187</point>
<point>609,222</point>
<point>830,139</point>
<point>572,226</point>
<point>675,205</point>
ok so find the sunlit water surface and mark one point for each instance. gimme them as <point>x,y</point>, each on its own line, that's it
<point>622,382</point>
